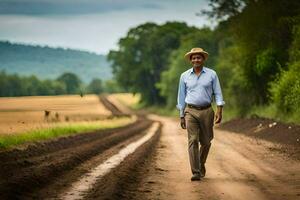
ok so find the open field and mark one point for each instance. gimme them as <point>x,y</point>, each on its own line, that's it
<point>23,114</point>
<point>127,99</point>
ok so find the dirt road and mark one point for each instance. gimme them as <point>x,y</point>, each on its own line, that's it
<point>238,167</point>
<point>147,160</point>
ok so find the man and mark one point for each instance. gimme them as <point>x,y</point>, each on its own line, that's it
<point>197,86</point>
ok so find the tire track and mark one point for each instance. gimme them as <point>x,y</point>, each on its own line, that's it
<point>116,112</point>
<point>24,172</point>
<point>123,181</point>
<point>111,166</point>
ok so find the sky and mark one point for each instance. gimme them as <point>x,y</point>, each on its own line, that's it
<point>90,25</point>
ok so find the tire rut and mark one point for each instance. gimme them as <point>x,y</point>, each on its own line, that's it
<point>123,181</point>
<point>110,106</point>
<point>24,171</point>
<point>20,179</point>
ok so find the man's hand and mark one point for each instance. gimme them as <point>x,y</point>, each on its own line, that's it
<point>182,123</point>
<point>218,117</point>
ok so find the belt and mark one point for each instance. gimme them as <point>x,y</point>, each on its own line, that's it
<point>199,107</point>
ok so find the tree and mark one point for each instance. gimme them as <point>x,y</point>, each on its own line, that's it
<point>14,85</point>
<point>285,91</point>
<point>71,81</point>
<point>3,84</point>
<point>95,86</point>
<point>142,56</point>
<point>111,86</point>
<point>223,9</point>
<point>262,31</point>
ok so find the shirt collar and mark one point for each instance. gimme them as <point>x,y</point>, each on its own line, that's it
<point>203,70</point>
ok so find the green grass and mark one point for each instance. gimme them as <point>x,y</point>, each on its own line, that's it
<point>229,114</point>
<point>271,112</point>
<point>7,141</point>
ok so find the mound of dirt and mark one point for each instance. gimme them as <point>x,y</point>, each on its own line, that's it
<point>286,135</point>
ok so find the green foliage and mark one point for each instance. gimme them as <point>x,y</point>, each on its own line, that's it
<point>286,89</point>
<point>263,36</point>
<point>294,51</point>
<point>111,86</point>
<point>95,86</point>
<point>266,62</point>
<point>15,85</point>
<point>143,54</point>
<point>127,62</point>
<point>71,81</point>
<point>265,70</point>
<point>236,91</point>
<point>255,50</point>
<point>255,39</point>
<point>221,9</point>
<point>67,83</point>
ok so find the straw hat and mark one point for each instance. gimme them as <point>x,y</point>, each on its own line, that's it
<point>196,51</point>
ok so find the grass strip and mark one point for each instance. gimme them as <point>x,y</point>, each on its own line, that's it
<point>63,129</point>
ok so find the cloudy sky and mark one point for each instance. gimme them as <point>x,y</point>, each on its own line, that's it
<point>92,25</point>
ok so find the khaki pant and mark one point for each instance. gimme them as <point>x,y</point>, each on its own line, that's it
<point>199,125</point>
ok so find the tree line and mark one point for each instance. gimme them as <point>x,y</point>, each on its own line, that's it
<point>12,85</point>
<point>255,49</point>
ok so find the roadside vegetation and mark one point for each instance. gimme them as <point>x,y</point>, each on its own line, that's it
<point>63,129</point>
<point>254,48</point>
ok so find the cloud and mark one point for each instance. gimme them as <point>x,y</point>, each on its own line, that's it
<point>68,7</point>
<point>91,25</point>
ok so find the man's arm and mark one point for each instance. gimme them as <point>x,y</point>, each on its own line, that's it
<point>181,101</point>
<point>219,99</point>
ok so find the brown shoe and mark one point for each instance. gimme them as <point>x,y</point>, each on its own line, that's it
<point>202,170</point>
<point>196,177</point>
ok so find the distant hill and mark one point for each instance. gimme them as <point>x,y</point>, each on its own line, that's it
<point>49,63</point>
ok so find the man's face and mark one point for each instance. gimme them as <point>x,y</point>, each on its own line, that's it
<point>197,60</point>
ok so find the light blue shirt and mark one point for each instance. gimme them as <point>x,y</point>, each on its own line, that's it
<point>198,89</point>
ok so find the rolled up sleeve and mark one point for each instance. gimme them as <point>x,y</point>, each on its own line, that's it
<point>217,91</point>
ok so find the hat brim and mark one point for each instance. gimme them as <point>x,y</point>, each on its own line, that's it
<point>188,55</point>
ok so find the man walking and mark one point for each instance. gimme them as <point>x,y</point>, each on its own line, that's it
<point>197,86</point>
